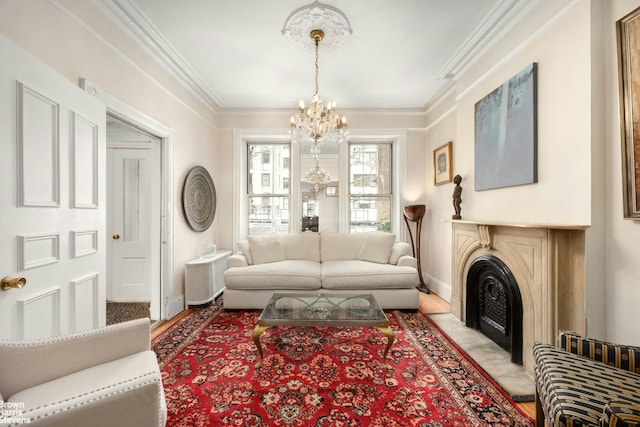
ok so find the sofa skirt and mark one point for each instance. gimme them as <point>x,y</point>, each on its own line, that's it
<point>388,299</point>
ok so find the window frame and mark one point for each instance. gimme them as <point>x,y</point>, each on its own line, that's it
<point>241,137</point>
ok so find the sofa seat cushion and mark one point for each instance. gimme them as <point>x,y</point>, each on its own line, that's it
<point>354,274</point>
<point>101,382</point>
<point>288,274</point>
<point>574,390</point>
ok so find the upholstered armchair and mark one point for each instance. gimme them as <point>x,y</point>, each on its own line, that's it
<point>586,382</point>
<point>102,377</point>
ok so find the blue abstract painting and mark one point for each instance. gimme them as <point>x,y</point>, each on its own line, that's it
<point>505,133</point>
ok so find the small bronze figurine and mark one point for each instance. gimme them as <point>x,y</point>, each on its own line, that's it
<point>457,199</point>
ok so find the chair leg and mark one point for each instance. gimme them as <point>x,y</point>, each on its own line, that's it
<point>539,411</point>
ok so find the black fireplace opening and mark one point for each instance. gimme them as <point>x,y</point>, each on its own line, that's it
<point>494,304</point>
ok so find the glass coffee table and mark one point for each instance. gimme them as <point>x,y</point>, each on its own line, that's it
<point>298,309</point>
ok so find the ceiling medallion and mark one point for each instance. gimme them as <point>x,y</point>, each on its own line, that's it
<point>330,20</point>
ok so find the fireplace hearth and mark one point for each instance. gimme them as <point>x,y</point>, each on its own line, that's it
<point>494,304</point>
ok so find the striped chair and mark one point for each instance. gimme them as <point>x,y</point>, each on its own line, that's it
<point>586,382</point>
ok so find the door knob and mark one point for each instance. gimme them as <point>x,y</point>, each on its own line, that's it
<point>116,236</point>
<point>12,282</point>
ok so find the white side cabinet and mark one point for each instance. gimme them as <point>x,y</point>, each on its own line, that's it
<point>204,277</point>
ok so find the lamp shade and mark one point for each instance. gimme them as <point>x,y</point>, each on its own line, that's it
<point>414,212</point>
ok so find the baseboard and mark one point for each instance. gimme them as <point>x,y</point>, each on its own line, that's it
<point>438,287</point>
<point>174,307</point>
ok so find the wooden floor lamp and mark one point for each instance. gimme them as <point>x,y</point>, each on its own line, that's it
<point>415,213</point>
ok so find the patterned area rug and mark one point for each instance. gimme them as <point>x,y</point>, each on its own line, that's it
<point>323,376</point>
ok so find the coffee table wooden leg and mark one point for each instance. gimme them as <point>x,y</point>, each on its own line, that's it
<point>257,331</point>
<point>386,330</point>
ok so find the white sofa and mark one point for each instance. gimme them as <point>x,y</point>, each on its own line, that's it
<point>370,262</point>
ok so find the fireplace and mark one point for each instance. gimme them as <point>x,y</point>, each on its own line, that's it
<point>494,304</point>
<point>546,273</point>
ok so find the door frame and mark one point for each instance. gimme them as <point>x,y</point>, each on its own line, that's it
<point>127,114</point>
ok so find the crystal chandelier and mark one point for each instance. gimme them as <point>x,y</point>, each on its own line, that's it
<point>317,176</point>
<point>317,124</point>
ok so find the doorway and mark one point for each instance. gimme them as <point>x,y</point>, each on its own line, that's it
<point>134,166</point>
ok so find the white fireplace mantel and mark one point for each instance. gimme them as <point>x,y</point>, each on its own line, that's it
<point>547,261</point>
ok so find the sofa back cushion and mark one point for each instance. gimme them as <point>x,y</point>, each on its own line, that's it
<point>340,246</point>
<point>266,248</point>
<point>305,246</point>
<point>376,247</point>
<point>373,246</point>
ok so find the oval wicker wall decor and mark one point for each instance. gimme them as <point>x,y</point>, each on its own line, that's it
<point>199,199</point>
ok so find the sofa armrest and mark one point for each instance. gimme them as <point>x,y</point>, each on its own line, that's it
<point>237,260</point>
<point>621,356</point>
<point>407,261</point>
<point>47,359</point>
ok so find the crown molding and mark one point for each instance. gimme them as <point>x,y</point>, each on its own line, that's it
<point>501,18</point>
<point>128,16</point>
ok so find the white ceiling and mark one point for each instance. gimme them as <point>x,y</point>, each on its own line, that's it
<point>401,55</point>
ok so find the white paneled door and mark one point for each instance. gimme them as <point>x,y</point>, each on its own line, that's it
<point>133,222</point>
<point>52,224</point>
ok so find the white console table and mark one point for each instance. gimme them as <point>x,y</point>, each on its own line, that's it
<point>204,277</point>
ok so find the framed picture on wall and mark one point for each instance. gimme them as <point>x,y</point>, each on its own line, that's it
<point>505,152</point>
<point>628,30</point>
<point>442,164</point>
<point>331,191</point>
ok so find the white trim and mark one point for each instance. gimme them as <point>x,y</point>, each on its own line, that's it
<point>24,241</point>
<point>76,236</point>
<point>24,199</point>
<point>23,305</point>
<point>503,17</point>
<point>241,137</point>
<point>128,16</point>
<point>127,114</point>
<point>398,139</point>
<point>76,161</point>
<point>89,280</point>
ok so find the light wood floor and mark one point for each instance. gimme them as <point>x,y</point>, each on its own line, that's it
<point>429,304</point>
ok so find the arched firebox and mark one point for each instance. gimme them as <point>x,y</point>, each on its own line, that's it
<point>494,304</point>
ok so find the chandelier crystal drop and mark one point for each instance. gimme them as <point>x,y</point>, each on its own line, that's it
<point>317,124</point>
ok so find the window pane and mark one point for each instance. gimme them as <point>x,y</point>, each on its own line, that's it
<point>268,188</point>
<point>370,213</point>
<point>268,215</point>
<point>370,187</point>
<point>370,168</point>
<point>268,168</point>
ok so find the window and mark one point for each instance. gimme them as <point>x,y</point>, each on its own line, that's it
<point>370,186</point>
<point>268,188</point>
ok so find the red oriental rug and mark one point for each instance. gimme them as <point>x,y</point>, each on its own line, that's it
<point>323,376</point>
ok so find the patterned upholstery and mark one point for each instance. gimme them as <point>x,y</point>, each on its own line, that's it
<point>620,414</point>
<point>573,390</point>
<point>620,356</point>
